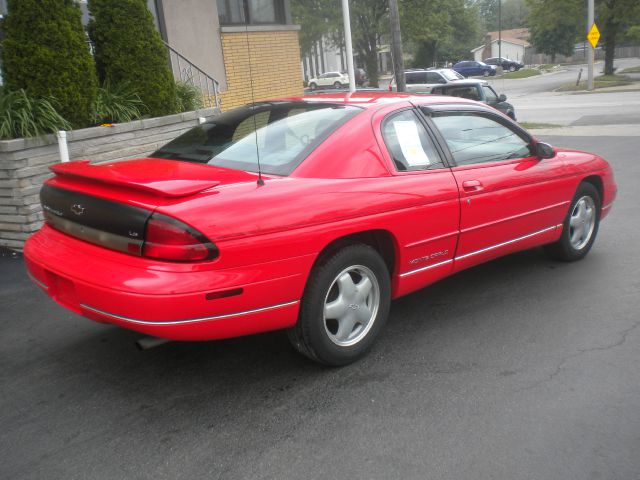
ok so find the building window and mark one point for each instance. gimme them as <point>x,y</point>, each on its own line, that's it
<point>251,12</point>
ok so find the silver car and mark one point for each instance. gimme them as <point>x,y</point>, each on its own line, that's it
<point>421,80</point>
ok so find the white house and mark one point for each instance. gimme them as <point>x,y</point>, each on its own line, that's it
<point>514,44</point>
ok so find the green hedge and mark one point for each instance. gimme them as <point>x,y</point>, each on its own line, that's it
<point>45,52</point>
<point>129,51</point>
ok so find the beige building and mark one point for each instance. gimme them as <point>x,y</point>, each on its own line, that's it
<point>250,47</point>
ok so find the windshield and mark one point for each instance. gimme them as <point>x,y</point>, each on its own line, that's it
<point>278,134</point>
<point>451,75</point>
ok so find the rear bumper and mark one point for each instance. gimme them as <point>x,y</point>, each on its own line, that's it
<point>178,304</point>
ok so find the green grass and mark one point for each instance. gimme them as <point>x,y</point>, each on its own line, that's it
<point>631,70</point>
<point>524,73</point>
<point>603,81</point>
<point>535,125</point>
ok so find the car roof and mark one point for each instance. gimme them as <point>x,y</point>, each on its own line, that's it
<point>373,99</point>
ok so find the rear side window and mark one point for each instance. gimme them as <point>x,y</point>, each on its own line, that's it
<point>278,134</point>
<point>408,143</point>
<point>413,78</point>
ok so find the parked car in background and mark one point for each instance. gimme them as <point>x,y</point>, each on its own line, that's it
<point>505,63</point>
<point>422,80</point>
<point>479,90</point>
<point>329,79</point>
<point>308,214</point>
<point>471,68</point>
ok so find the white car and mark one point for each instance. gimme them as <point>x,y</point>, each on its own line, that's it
<point>329,79</point>
<point>422,80</point>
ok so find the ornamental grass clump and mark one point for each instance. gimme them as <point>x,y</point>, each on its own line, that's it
<point>117,104</point>
<point>24,116</point>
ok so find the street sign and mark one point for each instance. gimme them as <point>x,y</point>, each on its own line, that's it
<point>594,36</point>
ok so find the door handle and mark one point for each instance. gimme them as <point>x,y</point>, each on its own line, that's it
<point>472,185</point>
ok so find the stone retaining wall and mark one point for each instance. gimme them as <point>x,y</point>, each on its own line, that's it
<point>24,163</point>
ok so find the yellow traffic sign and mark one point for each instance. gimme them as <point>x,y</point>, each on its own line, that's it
<point>594,36</point>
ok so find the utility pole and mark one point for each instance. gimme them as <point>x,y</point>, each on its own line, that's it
<point>500,32</point>
<point>590,22</point>
<point>396,46</point>
<point>347,45</point>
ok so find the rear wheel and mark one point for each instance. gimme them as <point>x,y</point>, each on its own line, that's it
<point>580,226</point>
<point>344,306</point>
<point>485,73</point>
<point>337,84</point>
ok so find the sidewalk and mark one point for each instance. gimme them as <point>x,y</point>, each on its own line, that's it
<point>590,131</point>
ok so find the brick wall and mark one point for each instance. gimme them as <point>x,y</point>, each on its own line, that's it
<point>24,163</point>
<point>275,66</point>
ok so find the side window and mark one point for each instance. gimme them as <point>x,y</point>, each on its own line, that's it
<point>433,77</point>
<point>408,143</point>
<point>474,138</point>
<point>414,78</point>
<point>489,94</point>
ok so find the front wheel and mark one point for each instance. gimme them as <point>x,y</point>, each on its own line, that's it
<point>512,68</point>
<point>313,86</point>
<point>344,306</point>
<point>337,84</point>
<point>580,226</point>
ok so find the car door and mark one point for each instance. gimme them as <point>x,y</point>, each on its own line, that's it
<point>427,226</point>
<point>509,198</point>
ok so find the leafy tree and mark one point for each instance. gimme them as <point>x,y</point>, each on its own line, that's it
<point>511,14</point>
<point>555,25</point>
<point>440,29</point>
<point>614,18</point>
<point>45,52</point>
<point>129,51</point>
<point>368,20</point>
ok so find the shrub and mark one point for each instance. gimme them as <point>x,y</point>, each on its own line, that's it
<point>45,52</point>
<point>117,104</point>
<point>189,97</point>
<point>129,51</point>
<point>24,116</point>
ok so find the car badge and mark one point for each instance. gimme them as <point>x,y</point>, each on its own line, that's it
<point>77,209</point>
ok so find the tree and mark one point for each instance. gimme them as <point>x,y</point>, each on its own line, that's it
<point>555,26</point>
<point>45,52</point>
<point>614,17</point>
<point>129,52</point>
<point>511,14</point>
<point>440,29</point>
<point>368,20</point>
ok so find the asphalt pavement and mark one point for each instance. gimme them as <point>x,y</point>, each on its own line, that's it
<point>522,368</point>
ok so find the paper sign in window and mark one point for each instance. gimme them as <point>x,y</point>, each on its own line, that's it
<point>409,140</point>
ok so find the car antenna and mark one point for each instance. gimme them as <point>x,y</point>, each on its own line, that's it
<point>260,181</point>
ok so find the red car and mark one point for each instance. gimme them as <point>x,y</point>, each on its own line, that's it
<point>308,214</point>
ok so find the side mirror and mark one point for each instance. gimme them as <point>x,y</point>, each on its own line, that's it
<point>502,97</point>
<point>544,150</point>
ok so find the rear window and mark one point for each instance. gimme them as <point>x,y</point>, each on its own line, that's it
<point>278,134</point>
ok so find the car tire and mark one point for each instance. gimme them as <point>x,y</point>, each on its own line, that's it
<point>344,306</point>
<point>337,84</point>
<point>512,68</point>
<point>580,226</point>
<point>313,86</point>
<point>485,73</point>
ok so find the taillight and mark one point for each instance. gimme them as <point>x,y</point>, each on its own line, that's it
<point>390,88</point>
<point>169,239</point>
